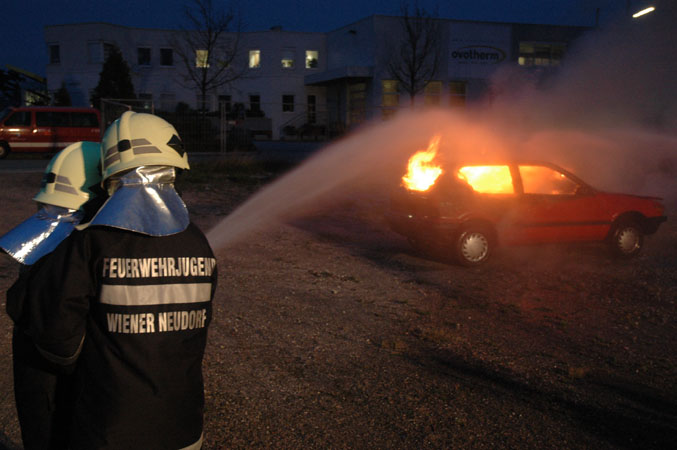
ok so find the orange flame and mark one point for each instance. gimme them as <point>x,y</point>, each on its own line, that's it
<point>488,179</point>
<point>421,171</point>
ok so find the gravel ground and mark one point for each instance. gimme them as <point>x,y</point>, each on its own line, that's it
<point>331,332</point>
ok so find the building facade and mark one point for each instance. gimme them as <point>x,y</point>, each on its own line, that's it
<point>306,84</point>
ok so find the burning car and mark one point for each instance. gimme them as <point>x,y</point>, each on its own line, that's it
<point>469,208</point>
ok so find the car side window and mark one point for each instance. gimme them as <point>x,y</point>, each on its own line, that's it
<point>488,179</point>
<point>546,181</point>
<point>19,119</point>
<point>83,119</point>
<point>52,119</point>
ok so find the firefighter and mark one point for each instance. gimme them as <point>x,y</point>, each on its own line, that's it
<point>131,297</point>
<point>69,192</point>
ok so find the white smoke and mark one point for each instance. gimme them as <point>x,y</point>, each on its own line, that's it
<point>609,115</point>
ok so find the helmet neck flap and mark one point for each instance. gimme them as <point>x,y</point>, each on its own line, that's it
<point>143,200</point>
<point>40,234</point>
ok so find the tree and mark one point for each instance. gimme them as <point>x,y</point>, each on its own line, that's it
<point>415,59</point>
<point>62,97</point>
<point>115,80</point>
<point>10,88</point>
<point>208,47</point>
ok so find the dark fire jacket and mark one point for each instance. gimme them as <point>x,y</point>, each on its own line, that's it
<point>131,312</point>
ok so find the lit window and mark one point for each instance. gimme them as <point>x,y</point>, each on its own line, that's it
<point>166,57</point>
<point>54,54</point>
<point>540,54</point>
<point>287,103</point>
<point>544,180</point>
<point>312,57</point>
<point>432,92</point>
<point>457,90</point>
<point>202,59</point>
<point>488,179</point>
<point>143,56</point>
<point>254,59</point>
<point>390,99</point>
<point>287,58</point>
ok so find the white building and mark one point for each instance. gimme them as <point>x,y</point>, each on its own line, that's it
<point>326,81</point>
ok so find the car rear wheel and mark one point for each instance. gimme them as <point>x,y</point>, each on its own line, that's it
<point>473,245</point>
<point>4,150</point>
<point>627,239</point>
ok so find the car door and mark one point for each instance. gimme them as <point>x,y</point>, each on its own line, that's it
<point>17,130</point>
<point>555,207</point>
<point>46,135</point>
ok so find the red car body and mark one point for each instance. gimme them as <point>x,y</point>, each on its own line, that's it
<point>540,203</point>
<point>47,128</point>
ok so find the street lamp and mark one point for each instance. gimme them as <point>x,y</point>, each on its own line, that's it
<point>643,12</point>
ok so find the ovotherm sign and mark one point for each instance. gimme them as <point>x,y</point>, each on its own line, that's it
<point>478,54</point>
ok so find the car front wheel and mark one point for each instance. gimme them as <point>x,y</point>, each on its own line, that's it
<point>473,245</point>
<point>627,239</point>
<point>4,150</point>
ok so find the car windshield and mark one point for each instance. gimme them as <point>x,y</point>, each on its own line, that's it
<point>4,113</point>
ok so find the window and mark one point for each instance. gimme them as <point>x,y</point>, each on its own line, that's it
<point>19,119</point>
<point>143,56</point>
<point>488,179</point>
<point>166,57</point>
<point>390,98</point>
<point>54,54</point>
<point>202,102</point>
<point>287,58</point>
<point>312,109</point>
<point>147,100</point>
<point>167,101</point>
<point>544,180</point>
<point>226,101</point>
<point>457,90</point>
<point>254,59</point>
<point>312,59</point>
<point>287,103</point>
<point>254,103</point>
<point>84,120</point>
<point>201,59</point>
<point>107,49</point>
<point>432,92</point>
<point>98,52</point>
<point>52,119</point>
<point>540,54</point>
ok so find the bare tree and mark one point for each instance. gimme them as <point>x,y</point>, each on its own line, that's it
<point>208,47</point>
<point>415,59</point>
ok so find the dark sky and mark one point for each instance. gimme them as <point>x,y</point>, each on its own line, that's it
<point>23,21</point>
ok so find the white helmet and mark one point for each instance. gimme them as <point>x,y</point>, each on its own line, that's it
<point>72,176</point>
<point>138,139</point>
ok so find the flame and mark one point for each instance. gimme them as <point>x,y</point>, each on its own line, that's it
<point>421,171</point>
<point>488,179</point>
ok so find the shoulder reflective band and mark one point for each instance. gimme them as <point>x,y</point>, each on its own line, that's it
<point>155,294</point>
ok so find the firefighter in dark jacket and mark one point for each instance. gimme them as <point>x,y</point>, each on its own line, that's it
<point>69,192</point>
<point>130,300</point>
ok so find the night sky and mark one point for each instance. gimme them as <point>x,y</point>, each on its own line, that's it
<point>23,21</point>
